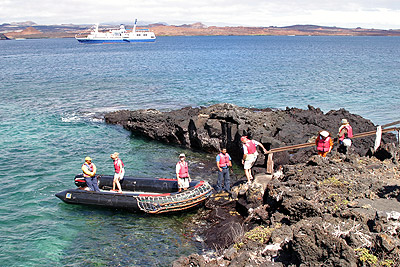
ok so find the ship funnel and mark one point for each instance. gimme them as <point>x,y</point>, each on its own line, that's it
<point>134,26</point>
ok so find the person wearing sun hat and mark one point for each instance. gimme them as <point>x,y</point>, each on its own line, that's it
<point>324,143</point>
<point>89,173</point>
<point>119,171</point>
<point>182,173</point>
<point>345,134</point>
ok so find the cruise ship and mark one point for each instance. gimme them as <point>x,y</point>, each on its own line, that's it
<point>120,35</point>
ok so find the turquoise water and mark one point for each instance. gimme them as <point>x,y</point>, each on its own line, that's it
<point>54,91</point>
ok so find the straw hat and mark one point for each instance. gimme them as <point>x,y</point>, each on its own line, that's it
<point>88,159</point>
<point>182,155</point>
<point>344,121</point>
<point>114,155</point>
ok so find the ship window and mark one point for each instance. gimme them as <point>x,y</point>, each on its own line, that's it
<point>138,34</point>
<point>145,34</point>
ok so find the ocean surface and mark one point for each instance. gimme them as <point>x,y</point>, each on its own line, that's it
<point>52,95</point>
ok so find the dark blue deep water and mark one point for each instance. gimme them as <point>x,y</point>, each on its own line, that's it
<point>51,92</point>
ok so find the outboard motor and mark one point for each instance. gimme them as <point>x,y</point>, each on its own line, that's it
<point>80,181</point>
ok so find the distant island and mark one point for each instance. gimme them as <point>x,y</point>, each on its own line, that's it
<point>31,30</point>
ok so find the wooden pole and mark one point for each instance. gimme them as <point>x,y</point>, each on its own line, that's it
<point>270,164</point>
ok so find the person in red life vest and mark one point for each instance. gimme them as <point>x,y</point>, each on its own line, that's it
<point>223,164</point>
<point>182,173</point>
<point>119,171</point>
<point>250,155</point>
<point>344,135</point>
<point>89,173</point>
<point>324,143</point>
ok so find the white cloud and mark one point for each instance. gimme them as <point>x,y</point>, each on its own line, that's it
<point>382,14</point>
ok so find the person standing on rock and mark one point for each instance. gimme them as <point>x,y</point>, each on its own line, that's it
<point>324,143</point>
<point>250,155</point>
<point>224,161</point>
<point>89,173</point>
<point>119,171</point>
<point>182,173</point>
<point>344,135</point>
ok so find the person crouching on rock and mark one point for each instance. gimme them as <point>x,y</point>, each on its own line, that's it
<point>182,173</point>
<point>324,143</point>
<point>344,135</point>
<point>250,155</point>
<point>223,164</point>
<point>119,171</point>
<point>89,173</point>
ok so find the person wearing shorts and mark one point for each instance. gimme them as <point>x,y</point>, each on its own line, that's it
<point>250,155</point>
<point>119,171</point>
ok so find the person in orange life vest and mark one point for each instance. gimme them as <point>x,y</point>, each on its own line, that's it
<point>182,173</point>
<point>250,155</point>
<point>324,143</point>
<point>89,173</point>
<point>119,171</point>
<point>344,135</point>
<point>223,164</point>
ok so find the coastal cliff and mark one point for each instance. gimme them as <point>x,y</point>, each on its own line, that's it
<point>343,210</point>
<point>30,29</point>
<point>209,128</point>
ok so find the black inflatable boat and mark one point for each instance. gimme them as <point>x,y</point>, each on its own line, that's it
<point>151,195</point>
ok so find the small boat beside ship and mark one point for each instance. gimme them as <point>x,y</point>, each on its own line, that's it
<point>149,195</point>
<point>120,35</point>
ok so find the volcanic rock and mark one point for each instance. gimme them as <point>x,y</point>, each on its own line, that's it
<point>221,125</point>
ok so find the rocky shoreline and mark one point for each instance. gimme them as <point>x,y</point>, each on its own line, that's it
<point>343,210</point>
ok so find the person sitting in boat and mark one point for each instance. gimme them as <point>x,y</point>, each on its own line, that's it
<point>89,172</point>
<point>182,173</point>
<point>119,171</point>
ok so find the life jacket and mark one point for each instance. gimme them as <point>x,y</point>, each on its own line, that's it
<point>223,160</point>
<point>116,165</point>
<point>324,145</point>
<point>184,170</point>
<point>90,168</point>
<point>251,147</point>
<point>349,132</point>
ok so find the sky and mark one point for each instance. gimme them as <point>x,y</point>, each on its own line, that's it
<point>377,14</point>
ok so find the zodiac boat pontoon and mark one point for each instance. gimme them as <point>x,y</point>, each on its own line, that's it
<point>150,195</point>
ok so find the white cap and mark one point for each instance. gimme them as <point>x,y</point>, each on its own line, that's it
<point>324,134</point>
<point>182,155</point>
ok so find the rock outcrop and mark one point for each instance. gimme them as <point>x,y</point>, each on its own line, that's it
<point>342,210</point>
<point>209,128</point>
<point>335,211</point>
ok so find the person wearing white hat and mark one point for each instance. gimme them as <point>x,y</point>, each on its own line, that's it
<point>119,171</point>
<point>182,173</point>
<point>89,173</point>
<point>324,143</point>
<point>344,135</point>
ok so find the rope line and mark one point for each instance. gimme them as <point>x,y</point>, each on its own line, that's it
<point>292,147</point>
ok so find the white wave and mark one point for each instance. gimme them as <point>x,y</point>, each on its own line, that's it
<point>71,119</point>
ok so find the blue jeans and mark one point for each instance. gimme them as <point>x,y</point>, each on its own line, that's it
<point>92,183</point>
<point>224,175</point>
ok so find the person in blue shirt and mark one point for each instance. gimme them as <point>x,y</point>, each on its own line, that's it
<point>223,164</point>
